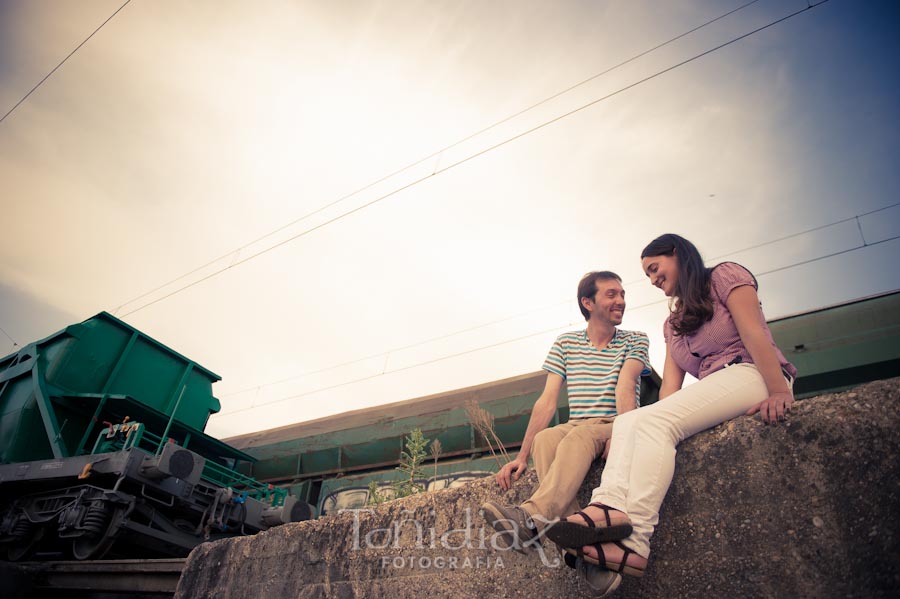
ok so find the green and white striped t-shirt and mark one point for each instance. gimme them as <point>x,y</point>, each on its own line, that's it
<point>591,374</point>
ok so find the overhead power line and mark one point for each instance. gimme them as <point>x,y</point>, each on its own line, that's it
<point>77,48</point>
<point>527,336</point>
<point>449,167</point>
<point>855,217</point>
<point>387,352</point>
<point>15,344</point>
<point>436,153</point>
<point>863,245</point>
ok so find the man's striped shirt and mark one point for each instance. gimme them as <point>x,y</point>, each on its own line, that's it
<point>591,374</point>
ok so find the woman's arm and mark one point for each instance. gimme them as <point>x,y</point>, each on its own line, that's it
<point>743,303</point>
<point>673,376</point>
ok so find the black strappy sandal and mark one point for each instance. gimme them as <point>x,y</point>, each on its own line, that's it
<point>621,567</point>
<point>566,533</point>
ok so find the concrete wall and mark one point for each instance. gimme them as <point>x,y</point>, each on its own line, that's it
<point>810,508</point>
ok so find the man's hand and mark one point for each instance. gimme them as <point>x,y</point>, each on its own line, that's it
<point>515,468</point>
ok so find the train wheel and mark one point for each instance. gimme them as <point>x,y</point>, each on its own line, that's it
<point>27,542</point>
<point>101,523</point>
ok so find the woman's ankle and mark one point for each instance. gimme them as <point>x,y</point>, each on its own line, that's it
<point>598,514</point>
<point>613,553</point>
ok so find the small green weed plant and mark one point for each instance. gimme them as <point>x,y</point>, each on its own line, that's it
<point>412,459</point>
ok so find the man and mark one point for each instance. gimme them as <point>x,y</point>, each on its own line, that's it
<point>602,366</point>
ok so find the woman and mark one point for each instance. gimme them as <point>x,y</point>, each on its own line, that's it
<point>717,332</point>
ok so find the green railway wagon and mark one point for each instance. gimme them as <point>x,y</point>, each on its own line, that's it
<point>102,445</point>
<point>839,346</point>
<point>352,492</point>
<point>317,459</point>
<point>54,391</point>
<point>330,461</point>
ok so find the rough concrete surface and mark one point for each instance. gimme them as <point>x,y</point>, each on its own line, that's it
<point>809,508</point>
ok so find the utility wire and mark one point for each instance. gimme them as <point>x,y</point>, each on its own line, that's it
<point>831,255</point>
<point>819,228</point>
<point>401,369</point>
<point>437,153</point>
<point>529,335</point>
<point>392,350</point>
<point>47,76</point>
<point>387,352</point>
<point>15,344</point>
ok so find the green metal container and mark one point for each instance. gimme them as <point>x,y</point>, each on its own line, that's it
<point>373,438</point>
<point>844,345</point>
<point>55,392</point>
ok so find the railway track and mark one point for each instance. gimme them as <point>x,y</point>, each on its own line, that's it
<point>156,578</point>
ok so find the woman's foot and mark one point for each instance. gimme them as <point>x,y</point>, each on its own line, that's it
<point>615,557</point>
<point>602,515</point>
<point>597,523</point>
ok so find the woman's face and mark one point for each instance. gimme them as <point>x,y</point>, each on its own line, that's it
<point>662,272</point>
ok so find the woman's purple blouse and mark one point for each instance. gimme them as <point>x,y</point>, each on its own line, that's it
<point>717,343</point>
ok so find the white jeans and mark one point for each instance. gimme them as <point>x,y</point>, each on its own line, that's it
<point>642,458</point>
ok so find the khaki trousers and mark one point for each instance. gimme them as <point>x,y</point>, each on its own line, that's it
<point>562,457</point>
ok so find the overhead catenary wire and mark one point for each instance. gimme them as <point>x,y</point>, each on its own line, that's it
<point>480,326</point>
<point>436,172</point>
<point>530,335</point>
<point>435,154</point>
<point>862,246</point>
<point>387,352</point>
<point>8,336</point>
<point>72,53</point>
<point>855,217</point>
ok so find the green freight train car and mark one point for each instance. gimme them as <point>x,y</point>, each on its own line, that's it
<point>330,462</point>
<point>102,447</point>
<point>842,345</point>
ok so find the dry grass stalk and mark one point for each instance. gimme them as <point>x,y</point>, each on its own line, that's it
<point>436,451</point>
<point>483,421</point>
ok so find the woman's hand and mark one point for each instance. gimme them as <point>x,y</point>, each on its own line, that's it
<point>743,303</point>
<point>775,408</point>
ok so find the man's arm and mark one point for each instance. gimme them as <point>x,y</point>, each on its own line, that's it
<point>541,414</point>
<point>626,392</point>
<point>626,395</point>
<point>673,376</point>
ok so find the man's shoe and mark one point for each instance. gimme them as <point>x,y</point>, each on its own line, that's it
<point>514,524</point>
<point>601,581</point>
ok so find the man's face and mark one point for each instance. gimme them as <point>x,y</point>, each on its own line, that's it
<point>608,304</point>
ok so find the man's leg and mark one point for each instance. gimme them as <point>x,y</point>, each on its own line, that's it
<point>543,450</point>
<point>511,521</point>
<point>577,443</point>
<point>555,495</point>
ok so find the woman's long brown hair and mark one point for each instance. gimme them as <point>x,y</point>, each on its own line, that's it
<point>692,305</point>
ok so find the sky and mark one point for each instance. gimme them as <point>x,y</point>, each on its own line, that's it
<point>228,177</point>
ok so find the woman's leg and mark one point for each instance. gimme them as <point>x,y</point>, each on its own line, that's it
<point>657,429</point>
<point>617,470</point>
